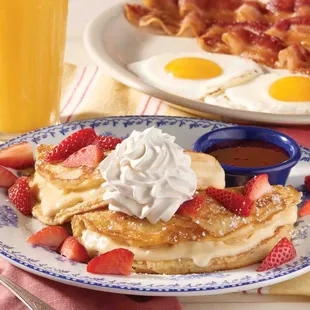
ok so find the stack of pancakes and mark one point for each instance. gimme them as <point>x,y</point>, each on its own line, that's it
<point>214,239</point>
<point>63,192</point>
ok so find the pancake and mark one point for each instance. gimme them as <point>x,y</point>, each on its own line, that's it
<point>215,239</point>
<point>63,192</point>
<point>64,177</point>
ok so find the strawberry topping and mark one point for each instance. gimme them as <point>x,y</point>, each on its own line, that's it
<point>89,156</point>
<point>118,262</point>
<point>20,195</point>
<point>7,178</point>
<point>283,252</point>
<point>71,144</point>
<point>18,156</point>
<point>74,250</point>
<point>191,207</point>
<point>307,183</point>
<point>107,143</point>
<point>51,237</point>
<point>305,210</point>
<point>257,187</point>
<point>234,202</point>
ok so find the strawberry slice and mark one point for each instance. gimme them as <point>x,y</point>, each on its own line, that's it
<point>257,187</point>
<point>71,144</point>
<point>191,207</point>
<point>283,252</point>
<point>307,183</point>
<point>118,262</point>
<point>74,250</point>
<point>305,210</point>
<point>234,202</point>
<point>107,143</point>
<point>7,178</point>
<point>51,237</point>
<point>20,195</point>
<point>18,156</point>
<point>89,156</point>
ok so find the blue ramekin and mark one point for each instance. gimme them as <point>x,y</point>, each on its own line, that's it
<point>236,176</point>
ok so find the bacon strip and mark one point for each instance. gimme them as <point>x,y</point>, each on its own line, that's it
<point>292,30</point>
<point>153,19</point>
<point>281,6</point>
<point>301,3</point>
<point>212,40</point>
<point>170,5</point>
<point>259,47</point>
<point>192,25</point>
<point>250,11</point>
<point>295,58</point>
<point>286,24</point>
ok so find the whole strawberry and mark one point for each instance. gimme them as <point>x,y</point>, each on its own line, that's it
<point>107,143</point>
<point>20,195</point>
<point>71,144</point>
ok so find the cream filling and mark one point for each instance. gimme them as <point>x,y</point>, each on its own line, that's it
<point>53,200</point>
<point>200,252</point>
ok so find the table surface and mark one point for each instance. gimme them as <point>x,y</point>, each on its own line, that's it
<point>81,12</point>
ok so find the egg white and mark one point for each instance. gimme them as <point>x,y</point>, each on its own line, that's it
<point>236,70</point>
<point>254,96</point>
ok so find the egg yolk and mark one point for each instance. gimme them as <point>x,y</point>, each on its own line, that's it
<point>291,88</point>
<point>193,68</point>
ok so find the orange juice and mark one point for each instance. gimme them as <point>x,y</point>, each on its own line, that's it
<point>32,36</point>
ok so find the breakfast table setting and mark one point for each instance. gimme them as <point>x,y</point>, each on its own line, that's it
<point>98,91</point>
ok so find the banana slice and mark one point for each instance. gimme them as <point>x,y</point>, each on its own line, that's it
<point>208,170</point>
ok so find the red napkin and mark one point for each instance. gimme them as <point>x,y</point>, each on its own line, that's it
<point>64,297</point>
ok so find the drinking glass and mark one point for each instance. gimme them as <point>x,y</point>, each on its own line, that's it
<point>32,36</point>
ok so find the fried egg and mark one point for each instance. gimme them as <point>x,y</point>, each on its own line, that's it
<point>272,93</point>
<point>195,75</point>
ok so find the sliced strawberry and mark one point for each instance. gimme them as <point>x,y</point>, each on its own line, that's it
<point>305,210</point>
<point>118,261</point>
<point>18,156</point>
<point>20,195</point>
<point>307,183</point>
<point>257,187</point>
<point>7,178</point>
<point>71,144</point>
<point>283,252</point>
<point>191,207</point>
<point>51,237</point>
<point>108,143</point>
<point>234,202</point>
<point>74,250</point>
<point>89,156</point>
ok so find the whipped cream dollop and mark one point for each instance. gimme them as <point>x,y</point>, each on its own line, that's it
<point>148,175</point>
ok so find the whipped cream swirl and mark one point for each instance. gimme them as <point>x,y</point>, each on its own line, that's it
<point>148,176</point>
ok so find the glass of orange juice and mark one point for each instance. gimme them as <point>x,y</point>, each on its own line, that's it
<point>32,36</point>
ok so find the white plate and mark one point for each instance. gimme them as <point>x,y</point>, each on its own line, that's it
<point>16,228</point>
<point>113,43</point>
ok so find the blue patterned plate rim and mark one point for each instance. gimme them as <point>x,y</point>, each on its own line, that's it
<point>139,284</point>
